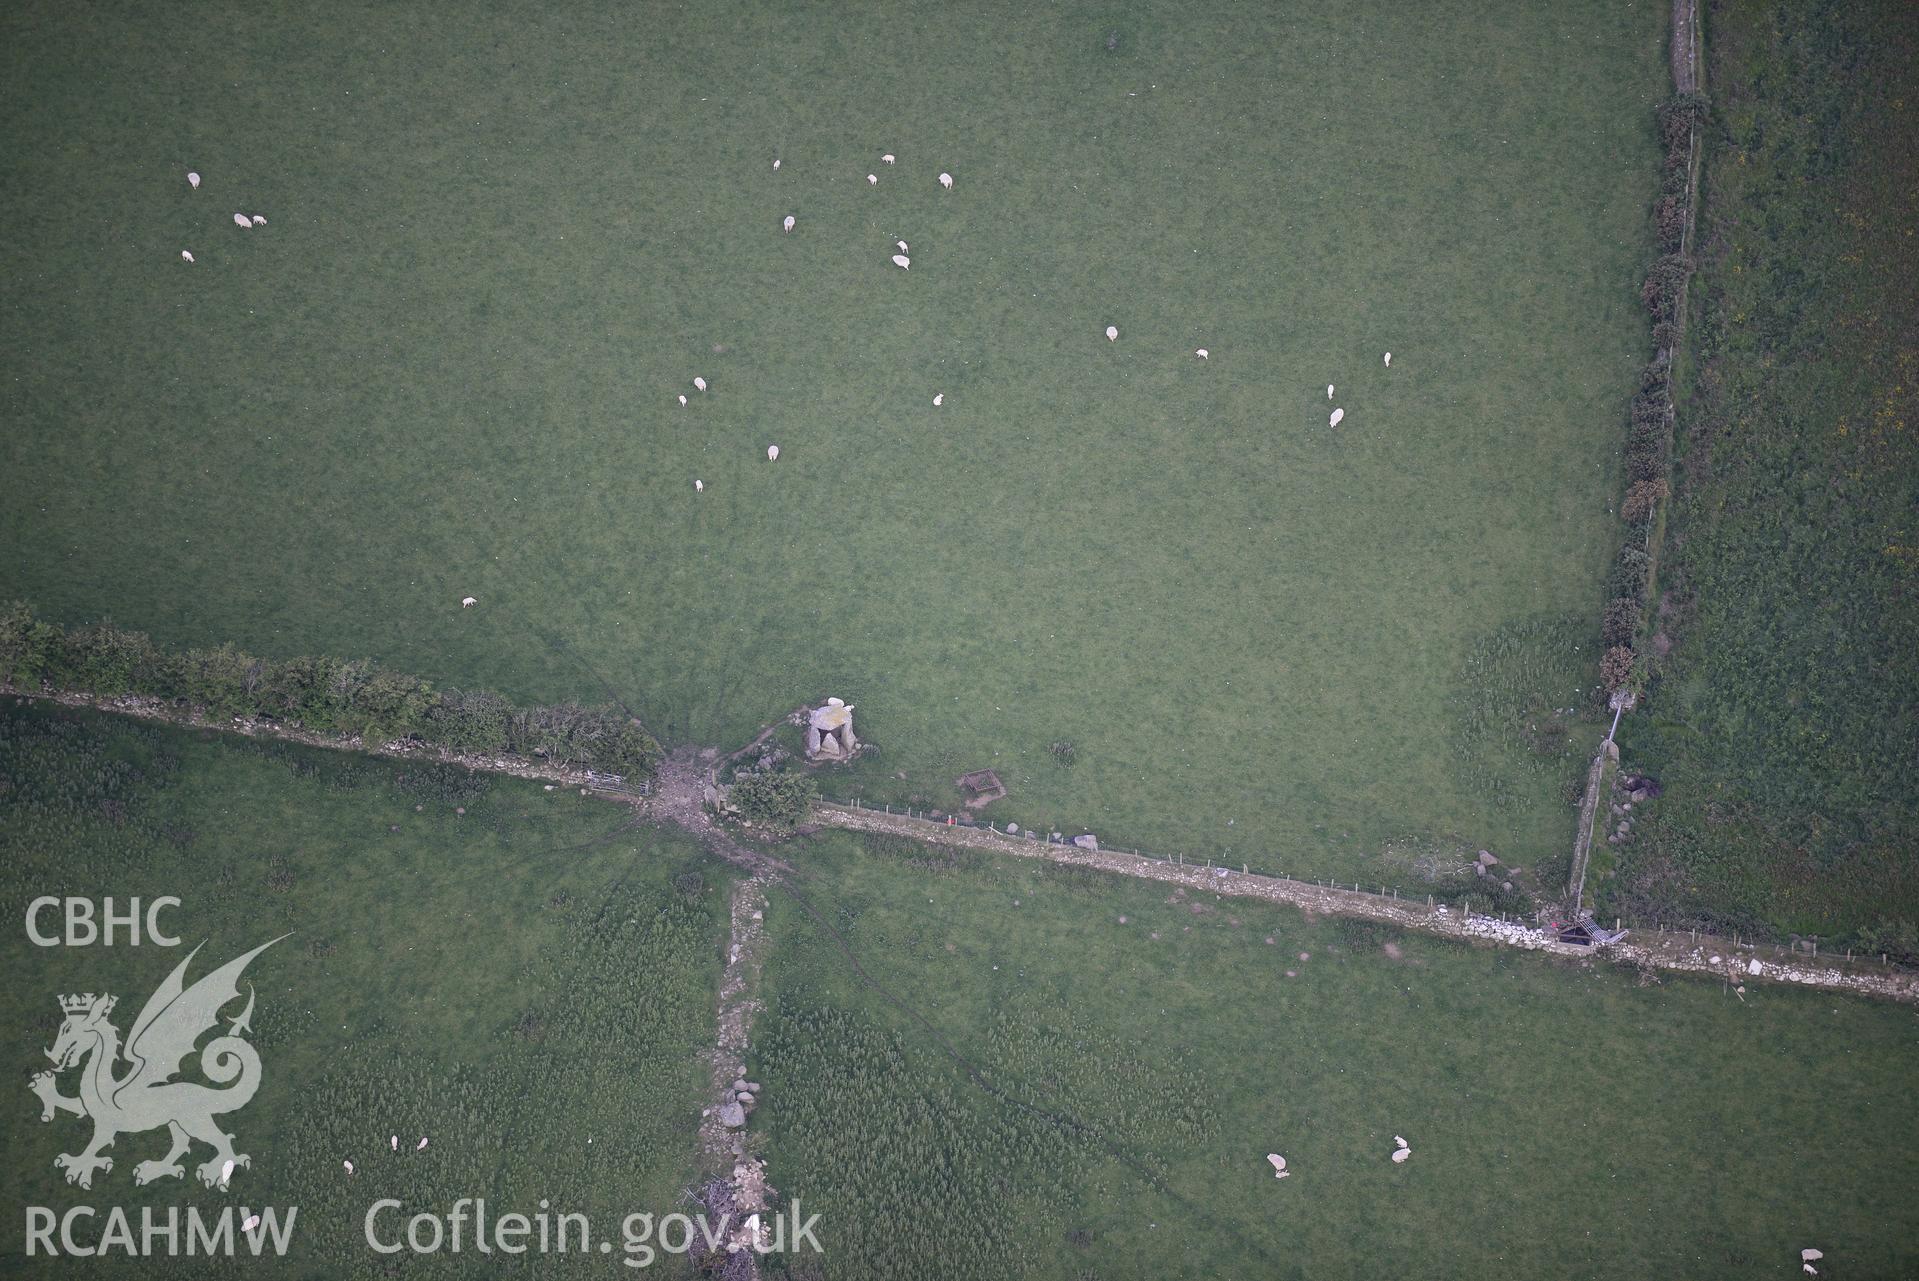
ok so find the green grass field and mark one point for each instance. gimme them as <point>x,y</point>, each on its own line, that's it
<point>502,239</point>
<point>528,984</point>
<point>1564,1122</point>
<point>1783,721</point>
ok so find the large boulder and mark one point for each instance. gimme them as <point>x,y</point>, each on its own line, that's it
<point>1087,842</point>
<point>732,1115</point>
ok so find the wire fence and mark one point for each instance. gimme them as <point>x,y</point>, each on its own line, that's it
<point>1550,918</point>
<point>1398,896</point>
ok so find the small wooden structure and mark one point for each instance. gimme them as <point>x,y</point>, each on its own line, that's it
<point>982,788</point>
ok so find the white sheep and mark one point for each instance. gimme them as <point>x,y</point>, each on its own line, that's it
<point>241,220</point>
<point>946,181</point>
<point>1400,1155</point>
<point>682,400</point>
<point>186,255</point>
<point>887,158</point>
<point>1112,333</point>
<point>1389,360</point>
<point>787,226</point>
<point>259,220</point>
<point>872,179</point>
<point>1329,391</point>
<point>466,602</point>
<point>393,1141</point>
<point>776,165</point>
<point>902,262</point>
<point>1201,353</point>
<point>251,1222</point>
<point>348,1165</point>
<point>772,453</point>
<point>902,245</point>
<point>1337,415</point>
<point>1278,1163</point>
<point>699,487</point>
<point>226,1172</point>
<point>939,400</point>
<point>421,1145</point>
<point>193,180</point>
<point>699,384</point>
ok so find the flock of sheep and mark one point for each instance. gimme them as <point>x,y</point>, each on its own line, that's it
<point>787,224</point>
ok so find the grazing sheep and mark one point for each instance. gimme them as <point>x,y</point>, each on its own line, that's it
<point>700,383</point>
<point>1337,415</point>
<point>902,245</point>
<point>946,181</point>
<point>1389,360</point>
<point>872,180</point>
<point>1807,1256</point>
<point>1399,1142</point>
<point>787,226</point>
<point>251,1222</point>
<point>259,221</point>
<point>887,158</point>
<point>776,165</point>
<point>772,453</point>
<point>193,180</point>
<point>699,487</point>
<point>682,400</point>
<point>1278,1163</point>
<point>902,262</point>
<point>421,1145</point>
<point>939,400</point>
<point>466,602</point>
<point>241,220</point>
<point>1201,353</point>
<point>1329,391</point>
<point>348,1165</point>
<point>226,1172</point>
<point>188,256</point>
<point>393,1141</point>
<point>1400,1155</point>
<point>1112,333</point>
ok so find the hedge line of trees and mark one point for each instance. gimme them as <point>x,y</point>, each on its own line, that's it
<point>324,695</point>
<point>1649,430</point>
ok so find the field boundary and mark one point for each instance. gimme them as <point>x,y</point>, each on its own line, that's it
<point>1685,55</point>
<point>1651,949</point>
<point>143,708</point>
<point>1733,960</point>
<point>1588,810</point>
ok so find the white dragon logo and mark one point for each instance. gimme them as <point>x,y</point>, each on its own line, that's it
<point>146,1096</point>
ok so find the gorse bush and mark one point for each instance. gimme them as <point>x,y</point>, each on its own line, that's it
<point>778,798</point>
<point>1620,621</point>
<point>355,697</point>
<point>1641,497</point>
<point>1616,667</point>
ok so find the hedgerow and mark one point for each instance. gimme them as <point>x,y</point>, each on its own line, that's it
<point>1649,433</point>
<point>353,697</point>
